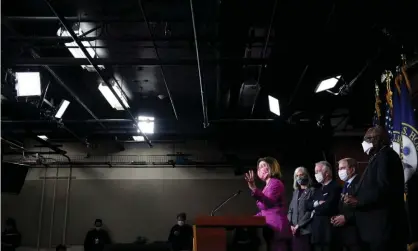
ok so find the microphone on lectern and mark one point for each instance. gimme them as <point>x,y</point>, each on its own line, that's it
<point>224,202</point>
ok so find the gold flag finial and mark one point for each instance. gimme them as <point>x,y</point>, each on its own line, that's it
<point>387,78</point>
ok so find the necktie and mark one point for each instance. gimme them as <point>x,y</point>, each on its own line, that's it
<point>345,188</point>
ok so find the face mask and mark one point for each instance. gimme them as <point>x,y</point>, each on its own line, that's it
<point>180,223</point>
<point>262,174</point>
<point>98,228</point>
<point>367,147</point>
<point>343,175</point>
<point>319,177</point>
<point>302,181</point>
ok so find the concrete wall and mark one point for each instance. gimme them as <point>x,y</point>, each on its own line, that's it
<point>131,201</point>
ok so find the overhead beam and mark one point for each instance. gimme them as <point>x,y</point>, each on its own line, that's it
<point>64,39</point>
<point>232,120</point>
<point>70,30</point>
<point>98,19</point>
<point>130,61</point>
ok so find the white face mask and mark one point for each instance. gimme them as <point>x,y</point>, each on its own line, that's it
<point>367,147</point>
<point>319,177</point>
<point>343,175</point>
<point>180,223</point>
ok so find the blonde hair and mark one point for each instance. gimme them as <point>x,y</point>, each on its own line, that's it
<point>274,167</point>
<point>296,186</point>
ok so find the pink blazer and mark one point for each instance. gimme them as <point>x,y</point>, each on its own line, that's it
<point>271,202</point>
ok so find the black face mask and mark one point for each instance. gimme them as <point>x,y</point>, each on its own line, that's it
<point>303,181</point>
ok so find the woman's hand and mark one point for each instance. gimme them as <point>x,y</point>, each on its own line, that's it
<point>249,177</point>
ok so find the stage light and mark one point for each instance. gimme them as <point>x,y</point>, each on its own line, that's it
<point>146,124</point>
<point>28,84</point>
<point>75,50</point>
<point>107,93</point>
<point>44,137</point>
<point>327,84</point>
<point>274,105</point>
<point>61,108</point>
<point>138,138</point>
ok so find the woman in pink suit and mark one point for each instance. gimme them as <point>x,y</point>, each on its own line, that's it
<point>272,203</point>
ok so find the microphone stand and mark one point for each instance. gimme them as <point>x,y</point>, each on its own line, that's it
<point>224,202</point>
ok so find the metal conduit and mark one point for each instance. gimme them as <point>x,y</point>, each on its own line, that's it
<point>260,70</point>
<point>159,59</point>
<point>51,226</point>
<point>202,94</point>
<point>67,204</point>
<point>41,210</point>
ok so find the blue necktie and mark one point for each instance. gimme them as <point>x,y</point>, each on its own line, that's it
<point>345,188</point>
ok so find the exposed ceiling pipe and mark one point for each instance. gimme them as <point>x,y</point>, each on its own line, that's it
<point>260,69</point>
<point>158,58</point>
<point>68,27</point>
<point>41,101</point>
<point>13,144</point>
<point>59,80</point>
<point>67,61</point>
<point>65,39</point>
<point>91,19</point>
<point>202,94</point>
<point>123,121</point>
<point>46,144</point>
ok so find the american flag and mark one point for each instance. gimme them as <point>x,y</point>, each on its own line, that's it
<point>376,119</point>
<point>389,120</point>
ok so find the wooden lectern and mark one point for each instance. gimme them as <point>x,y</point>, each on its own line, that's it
<point>209,232</point>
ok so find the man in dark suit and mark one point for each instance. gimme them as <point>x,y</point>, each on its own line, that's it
<point>379,198</point>
<point>324,205</point>
<point>345,220</point>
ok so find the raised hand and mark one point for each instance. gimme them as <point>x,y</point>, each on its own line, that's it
<point>249,178</point>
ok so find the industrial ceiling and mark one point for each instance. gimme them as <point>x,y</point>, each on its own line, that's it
<point>199,68</point>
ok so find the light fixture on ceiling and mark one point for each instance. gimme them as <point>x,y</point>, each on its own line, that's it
<point>327,84</point>
<point>274,105</point>
<point>146,124</point>
<point>113,101</point>
<point>28,84</point>
<point>62,108</point>
<point>75,50</point>
<point>138,138</point>
<point>44,137</point>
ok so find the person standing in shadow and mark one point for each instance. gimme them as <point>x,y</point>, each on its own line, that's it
<point>10,238</point>
<point>97,238</point>
<point>181,235</point>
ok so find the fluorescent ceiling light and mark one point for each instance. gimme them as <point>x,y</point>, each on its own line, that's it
<point>327,84</point>
<point>76,51</point>
<point>138,138</point>
<point>63,106</point>
<point>44,137</point>
<point>146,124</point>
<point>274,105</point>
<point>107,93</point>
<point>28,84</point>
